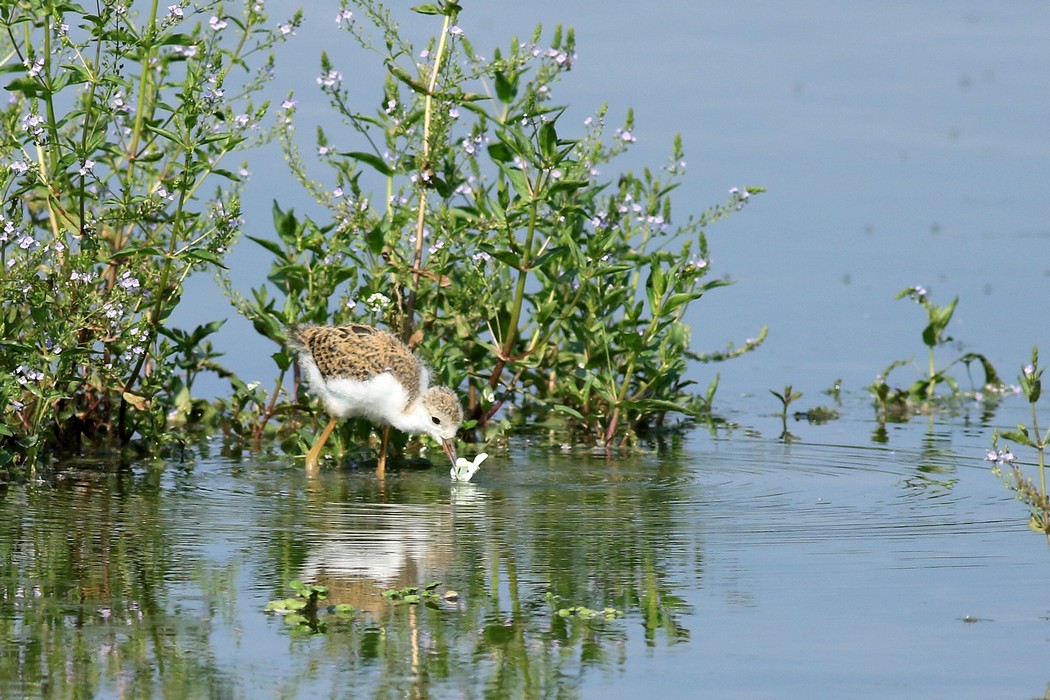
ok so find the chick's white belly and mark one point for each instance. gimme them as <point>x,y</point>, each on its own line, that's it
<point>380,399</point>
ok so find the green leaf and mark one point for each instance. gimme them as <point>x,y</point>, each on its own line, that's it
<point>130,251</point>
<point>1018,436</point>
<point>282,359</point>
<point>506,88</point>
<point>169,135</point>
<point>285,224</point>
<point>507,257</point>
<point>548,141</point>
<point>501,153</point>
<point>676,300</point>
<point>204,255</point>
<point>929,335</point>
<point>402,75</point>
<point>177,40</point>
<point>562,408</point>
<point>28,87</point>
<point>518,181</point>
<point>269,245</point>
<point>568,185</point>
<point>372,159</point>
<point>376,238</point>
<point>427,9</point>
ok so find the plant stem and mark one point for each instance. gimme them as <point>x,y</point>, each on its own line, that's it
<point>1040,449</point>
<point>933,371</point>
<point>428,113</point>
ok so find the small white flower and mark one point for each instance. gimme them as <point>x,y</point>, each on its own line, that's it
<point>330,79</point>
<point>217,23</point>
<point>465,469</point>
<point>377,302</point>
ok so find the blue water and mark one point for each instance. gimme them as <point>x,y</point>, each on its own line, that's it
<point>824,568</point>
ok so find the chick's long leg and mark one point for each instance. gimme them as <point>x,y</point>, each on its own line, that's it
<point>313,456</point>
<point>385,443</point>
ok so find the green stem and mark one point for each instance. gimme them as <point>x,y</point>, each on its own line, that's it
<point>1040,449</point>
<point>933,371</point>
<point>519,288</point>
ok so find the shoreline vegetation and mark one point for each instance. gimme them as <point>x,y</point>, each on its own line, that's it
<point>495,244</point>
<point>465,215</point>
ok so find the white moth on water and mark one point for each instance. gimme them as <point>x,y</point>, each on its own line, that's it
<point>465,469</point>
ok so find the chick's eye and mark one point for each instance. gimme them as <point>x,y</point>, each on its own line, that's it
<point>437,421</point>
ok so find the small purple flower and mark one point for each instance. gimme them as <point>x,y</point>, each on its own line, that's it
<point>999,456</point>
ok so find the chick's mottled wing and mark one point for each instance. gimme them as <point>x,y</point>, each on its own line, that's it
<point>360,353</point>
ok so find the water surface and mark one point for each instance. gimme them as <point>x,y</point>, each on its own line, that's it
<point>744,566</point>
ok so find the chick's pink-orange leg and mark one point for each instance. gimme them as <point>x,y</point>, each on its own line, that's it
<point>384,443</point>
<point>314,455</point>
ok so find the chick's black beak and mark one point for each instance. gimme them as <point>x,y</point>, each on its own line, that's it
<point>450,449</point>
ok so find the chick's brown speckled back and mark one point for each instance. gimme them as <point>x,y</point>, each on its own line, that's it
<point>359,353</point>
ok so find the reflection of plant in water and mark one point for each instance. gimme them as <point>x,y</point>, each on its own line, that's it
<point>89,594</point>
<point>1035,497</point>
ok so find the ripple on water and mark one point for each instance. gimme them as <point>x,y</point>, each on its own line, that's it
<point>768,494</point>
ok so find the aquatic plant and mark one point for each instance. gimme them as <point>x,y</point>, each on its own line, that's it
<point>413,595</point>
<point>786,398</point>
<point>114,150</point>
<point>301,610</point>
<point>579,611</point>
<point>471,219</point>
<point>896,402</point>
<point>1026,491</point>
